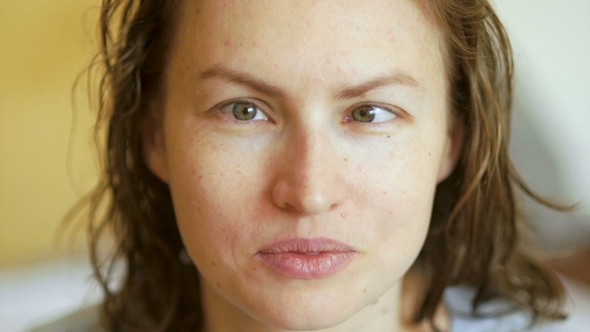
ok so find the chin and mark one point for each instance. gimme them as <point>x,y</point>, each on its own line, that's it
<point>313,310</point>
<point>310,320</point>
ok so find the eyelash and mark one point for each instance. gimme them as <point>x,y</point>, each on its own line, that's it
<point>348,118</point>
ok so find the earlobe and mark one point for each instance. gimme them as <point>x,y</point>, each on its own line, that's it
<point>453,149</point>
<point>153,144</point>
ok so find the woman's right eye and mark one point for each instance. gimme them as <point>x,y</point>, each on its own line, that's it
<point>244,111</point>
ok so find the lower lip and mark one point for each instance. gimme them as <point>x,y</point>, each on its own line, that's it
<point>304,266</point>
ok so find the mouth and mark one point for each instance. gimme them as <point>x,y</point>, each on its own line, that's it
<point>306,258</point>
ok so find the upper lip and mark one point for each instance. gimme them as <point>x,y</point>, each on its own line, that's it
<point>306,246</point>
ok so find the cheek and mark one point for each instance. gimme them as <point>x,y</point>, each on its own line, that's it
<point>401,176</point>
<point>214,188</point>
<point>400,182</point>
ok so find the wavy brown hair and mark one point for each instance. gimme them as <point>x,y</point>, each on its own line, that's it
<point>475,234</point>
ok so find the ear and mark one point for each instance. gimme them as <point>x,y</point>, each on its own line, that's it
<point>153,143</point>
<point>453,149</point>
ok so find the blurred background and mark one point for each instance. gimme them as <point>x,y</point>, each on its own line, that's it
<point>48,159</point>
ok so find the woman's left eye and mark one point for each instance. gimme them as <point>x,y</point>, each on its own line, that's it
<point>370,114</point>
<point>244,111</point>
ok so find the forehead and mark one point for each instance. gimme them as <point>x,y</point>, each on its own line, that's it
<point>309,40</point>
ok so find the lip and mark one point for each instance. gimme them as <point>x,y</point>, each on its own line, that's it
<point>306,258</point>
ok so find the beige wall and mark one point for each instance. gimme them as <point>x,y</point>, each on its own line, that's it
<point>44,45</point>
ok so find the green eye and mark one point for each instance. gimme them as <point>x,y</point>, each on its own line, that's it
<point>371,113</point>
<point>244,111</point>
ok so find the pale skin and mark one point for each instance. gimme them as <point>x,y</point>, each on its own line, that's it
<point>307,164</point>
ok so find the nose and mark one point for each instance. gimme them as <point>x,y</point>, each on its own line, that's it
<point>309,180</point>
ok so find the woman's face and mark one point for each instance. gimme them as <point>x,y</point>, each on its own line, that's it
<point>302,142</point>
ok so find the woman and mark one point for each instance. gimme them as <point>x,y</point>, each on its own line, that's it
<point>312,165</point>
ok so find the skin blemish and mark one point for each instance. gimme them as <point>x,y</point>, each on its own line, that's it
<point>213,263</point>
<point>385,193</point>
<point>345,159</point>
<point>384,311</point>
<point>364,290</point>
<point>343,215</point>
<point>227,42</point>
<point>388,136</point>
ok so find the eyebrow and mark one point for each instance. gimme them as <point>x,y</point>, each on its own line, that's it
<point>398,78</point>
<point>241,78</point>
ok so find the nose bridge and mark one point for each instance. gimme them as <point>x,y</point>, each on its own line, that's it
<point>312,156</point>
<point>309,182</point>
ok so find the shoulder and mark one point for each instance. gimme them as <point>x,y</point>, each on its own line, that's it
<point>493,316</point>
<point>83,320</point>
